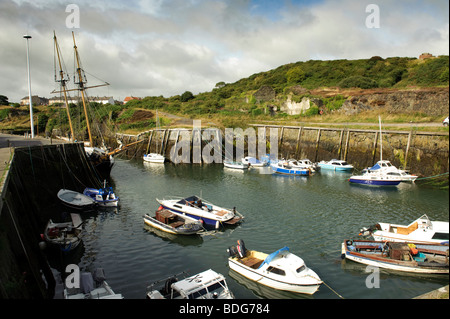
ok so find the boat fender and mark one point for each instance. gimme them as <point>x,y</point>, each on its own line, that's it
<point>160,207</point>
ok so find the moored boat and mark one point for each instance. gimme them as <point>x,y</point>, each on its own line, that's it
<point>304,163</point>
<point>282,167</point>
<point>75,200</point>
<point>104,196</point>
<point>204,285</point>
<point>398,256</point>
<point>92,286</point>
<point>154,158</point>
<point>390,170</point>
<point>235,165</point>
<point>65,235</point>
<point>335,165</point>
<point>254,162</point>
<point>375,179</point>
<point>422,230</point>
<point>173,223</point>
<point>280,270</point>
<point>198,208</point>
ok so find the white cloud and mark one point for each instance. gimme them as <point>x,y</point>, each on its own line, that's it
<point>167,47</point>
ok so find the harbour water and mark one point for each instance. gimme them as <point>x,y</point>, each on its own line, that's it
<point>311,215</point>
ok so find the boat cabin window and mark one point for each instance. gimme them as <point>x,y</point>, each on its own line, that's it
<point>300,269</point>
<point>200,293</point>
<point>441,236</point>
<point>277,271</point>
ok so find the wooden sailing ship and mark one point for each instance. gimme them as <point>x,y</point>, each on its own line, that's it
<point>101,158</point>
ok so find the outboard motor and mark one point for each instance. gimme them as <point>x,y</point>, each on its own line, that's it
<point>232,251</point>
<point>241,248</point>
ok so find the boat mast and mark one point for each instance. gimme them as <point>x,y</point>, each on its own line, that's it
<point>381,140</point>
<point>81,88</point>
<point>63,84</point>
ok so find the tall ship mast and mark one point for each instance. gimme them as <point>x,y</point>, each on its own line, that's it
<point>101,159</point>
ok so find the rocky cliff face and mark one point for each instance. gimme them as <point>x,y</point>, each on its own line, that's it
<point>430,101</point>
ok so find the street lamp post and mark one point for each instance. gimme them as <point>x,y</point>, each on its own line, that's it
<point>29,86</point>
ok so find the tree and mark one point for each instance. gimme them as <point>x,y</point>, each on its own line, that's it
<point>186,96</point>
<point>4,100</point>
<point>295,75</point>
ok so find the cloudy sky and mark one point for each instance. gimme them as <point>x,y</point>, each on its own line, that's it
<point>166,47</point>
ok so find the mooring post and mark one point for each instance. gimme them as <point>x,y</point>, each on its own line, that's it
<point>407,148</point>
<point>317,144</point>
<point>374,150</point>
<point>346,145</point>
<point>297,148</point>
<point>340,143</point>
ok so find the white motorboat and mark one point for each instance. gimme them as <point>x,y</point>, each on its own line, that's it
<point>304,163</point>
<point>205,285</point>
<point>92,287</point>
<point>198,208</point>
<point>234,165</point>
<point>154,158</point>
<point>173,223</point>
<point>422,230</point>
<point>390,170</point>
<point>75,200</point>
<point>335,165</point>
<point>398,256</point>
<point>254,162</point>
<point>280,270</point>
<point>65,235</point>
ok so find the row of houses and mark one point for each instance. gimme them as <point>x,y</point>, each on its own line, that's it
<point>37,100</point>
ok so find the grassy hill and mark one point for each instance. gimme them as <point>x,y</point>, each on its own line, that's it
<point>328,83</point>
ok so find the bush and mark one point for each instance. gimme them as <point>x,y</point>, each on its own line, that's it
<point>358,82</point>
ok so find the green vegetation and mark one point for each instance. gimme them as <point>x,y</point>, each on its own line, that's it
<point>256,97</point>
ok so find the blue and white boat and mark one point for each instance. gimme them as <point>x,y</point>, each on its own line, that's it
<point>198,208</point>
<point>104,196</point>
<point>375,179</point>
<point>285,168</point>
<point>386,167</point>
<point>335,165</point>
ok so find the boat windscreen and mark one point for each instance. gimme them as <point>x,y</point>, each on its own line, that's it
<point>270,257</point>
<point>188,199</point>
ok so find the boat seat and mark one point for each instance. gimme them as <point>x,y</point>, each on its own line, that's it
<point>176,224</point>
<point>252,262</point>
<point>407,230</point>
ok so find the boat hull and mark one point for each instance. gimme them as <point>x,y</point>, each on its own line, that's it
<point>110,201</point>
<point>214,216</point>
<point>373,182</point>
<point>258,277</point>
<point>154,158</point>
<point>291,171</point>
<point>75,200</point>
<point>381,261</point>
<point>189,229</point>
